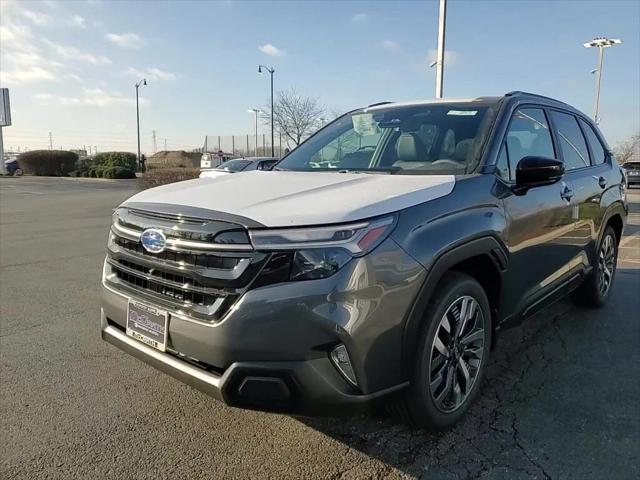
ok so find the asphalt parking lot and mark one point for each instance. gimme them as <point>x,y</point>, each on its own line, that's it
<point>562,397</point>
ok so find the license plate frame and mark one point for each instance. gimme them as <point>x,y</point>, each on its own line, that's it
<point>148,324</point>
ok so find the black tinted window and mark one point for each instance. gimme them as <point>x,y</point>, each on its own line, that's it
<point>597,152</point>
<point>528,136</point>
<point>572,142</point>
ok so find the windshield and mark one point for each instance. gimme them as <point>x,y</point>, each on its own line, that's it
<point>234,165</point>
<point>420,139</point>
<point>631,165</point>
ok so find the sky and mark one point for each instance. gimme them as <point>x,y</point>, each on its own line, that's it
<point>71,66</point>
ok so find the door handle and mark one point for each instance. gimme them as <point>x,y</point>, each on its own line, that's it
<point>601,181</point>
<point>566,193</point>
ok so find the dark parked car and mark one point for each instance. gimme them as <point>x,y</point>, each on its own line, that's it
<point>240,165</point>
<point>378,261</point>
<point>632,172</point>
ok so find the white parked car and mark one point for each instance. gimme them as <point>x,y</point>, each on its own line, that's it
<point>240,165</point>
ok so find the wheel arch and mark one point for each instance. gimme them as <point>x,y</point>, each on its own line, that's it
<point>483,258</point>
<point>616,222</point>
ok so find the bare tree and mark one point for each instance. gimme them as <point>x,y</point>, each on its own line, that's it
<point>628,150</point>
<point>294,115</point>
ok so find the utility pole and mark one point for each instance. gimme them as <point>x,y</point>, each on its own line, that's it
<point>95,149</point>
<point>271,72</point>
<point>255,111</point>
<point>165,144</point>
<point>601,43</point>
<point>442,20</point>
<point>155,146</point>
<point>50,141</point>
<point>141,82</point>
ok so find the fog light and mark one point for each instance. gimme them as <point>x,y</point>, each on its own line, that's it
<point>341,360</point>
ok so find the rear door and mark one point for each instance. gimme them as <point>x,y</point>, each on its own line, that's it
<point>539,220</point>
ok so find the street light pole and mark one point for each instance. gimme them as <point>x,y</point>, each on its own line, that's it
<point>442,20</point>
<point>255,111</point>
<point>601,43</point>
<point>141,82</point>
<point>271,72</point>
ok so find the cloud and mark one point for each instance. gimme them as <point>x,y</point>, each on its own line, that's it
<point>360,17</point>
<point>271,50</point>
<point>78,21</point>
<point>390,45</point>
<point>451,57</point>
<point>152,73</point>
<point>72,53</point>
<point>27,75</point>
<point>28,67</point>
<point>37,18</point>
<point>125,40</point>
<point>91,97</point>
<point>15,36</point>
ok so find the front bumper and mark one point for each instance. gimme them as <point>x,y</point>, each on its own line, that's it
<point>271,350</point>
<point>305,387</point>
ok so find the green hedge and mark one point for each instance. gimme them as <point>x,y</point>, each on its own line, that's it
<point>48,162</point>
<point>162,176</point>
<point>107,165</point>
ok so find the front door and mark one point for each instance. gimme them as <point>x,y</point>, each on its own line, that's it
<point>540,221</point>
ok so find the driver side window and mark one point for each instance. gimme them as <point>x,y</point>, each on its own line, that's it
<point>528,135</point>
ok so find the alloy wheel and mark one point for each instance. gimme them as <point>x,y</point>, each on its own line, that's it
<point>606,265</point>
<point>456,354</point>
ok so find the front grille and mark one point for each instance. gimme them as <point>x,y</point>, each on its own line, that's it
<point>174,293</point>
<point>200,281</point>
<point>194,259</point>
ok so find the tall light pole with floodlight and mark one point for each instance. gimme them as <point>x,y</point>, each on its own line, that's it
<point>140,83</point>
<point>256,111</point>
<point>439,63</point>
<point>271,71</point>
<point>601,43</point>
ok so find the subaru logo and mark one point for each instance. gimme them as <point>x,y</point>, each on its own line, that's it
<point>153,240</point>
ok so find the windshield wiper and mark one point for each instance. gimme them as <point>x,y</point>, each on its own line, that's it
<point>389,170</point>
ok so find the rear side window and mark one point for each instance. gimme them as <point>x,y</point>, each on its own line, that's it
<point>572,142</point>
<point>528,136</point>
<point>598,154</point>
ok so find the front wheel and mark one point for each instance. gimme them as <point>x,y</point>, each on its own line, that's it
<point>452,354</point>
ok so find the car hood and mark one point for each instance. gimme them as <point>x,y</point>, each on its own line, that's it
<point>284,198</point>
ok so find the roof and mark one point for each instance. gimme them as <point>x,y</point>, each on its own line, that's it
<point>480,100</point>
<point>412,103</point>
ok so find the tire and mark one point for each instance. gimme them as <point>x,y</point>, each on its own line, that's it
<point>426,403</point>
<point>596,288</point>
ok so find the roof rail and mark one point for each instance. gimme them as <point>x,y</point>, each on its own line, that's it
<point>529,94</point>
<point>377,104</point>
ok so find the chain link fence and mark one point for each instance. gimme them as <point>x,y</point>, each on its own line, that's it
<point>247,145</point>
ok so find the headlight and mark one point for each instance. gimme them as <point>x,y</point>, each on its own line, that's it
<point>317,263</point>
<point>356,238</point>
<point>319,252</point>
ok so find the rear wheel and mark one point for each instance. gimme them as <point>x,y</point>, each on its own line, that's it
<point>595,290</point>
<point>452,353</point>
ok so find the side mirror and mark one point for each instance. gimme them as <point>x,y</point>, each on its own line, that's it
<point>538,171</point>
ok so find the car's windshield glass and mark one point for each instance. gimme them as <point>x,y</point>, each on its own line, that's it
<point>631,165</point>
<point>234,165</point>
<point>420,139</point>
